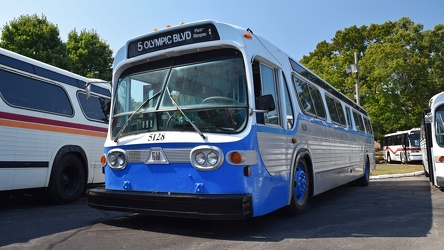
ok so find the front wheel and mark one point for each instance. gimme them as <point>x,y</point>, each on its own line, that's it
<point>67,181</point>
<point>301,191</point>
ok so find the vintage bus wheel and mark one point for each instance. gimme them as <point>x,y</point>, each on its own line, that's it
<point>365,179</point>
<point>301,193</point>
<point>67,180</point>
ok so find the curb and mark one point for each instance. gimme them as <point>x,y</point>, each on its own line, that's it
<point>387,176</point>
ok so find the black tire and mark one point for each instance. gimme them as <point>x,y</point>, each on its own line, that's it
<point>67,181</point>
<point>301,191</point>
<point>365,179</point>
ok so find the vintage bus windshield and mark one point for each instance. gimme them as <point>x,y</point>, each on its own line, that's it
<point>210,93</point>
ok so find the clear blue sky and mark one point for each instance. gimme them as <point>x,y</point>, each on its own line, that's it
<point>293,25</point>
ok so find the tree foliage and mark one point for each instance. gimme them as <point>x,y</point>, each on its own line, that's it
<point>401,67</point>
<point>33,36</point>
<point>89,55</point>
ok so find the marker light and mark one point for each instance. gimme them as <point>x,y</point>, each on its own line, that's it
<point>441,159</point>
<point>248,35</point>
<point>236,157</point>
<point>103,160</point>
<point>156,29</point>
<point>168,26</point>
<point>181,23</point>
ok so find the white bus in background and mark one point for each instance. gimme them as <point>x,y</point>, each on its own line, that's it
<point>51,134</point>
<point>402,146</point>
<point>432,140</point>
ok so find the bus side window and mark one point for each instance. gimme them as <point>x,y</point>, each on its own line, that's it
<point>340,113</point>
<point>332,109</point>
<point>28,93</point>
<point>265,84</point>
<point>368,126</point>
<point>288,106</point>
<point>358,122</point>
<point>304,96</point>
<point>318,103</point>
<point>348,114</point>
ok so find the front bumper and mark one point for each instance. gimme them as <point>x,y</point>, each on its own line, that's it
<point>201,206</point>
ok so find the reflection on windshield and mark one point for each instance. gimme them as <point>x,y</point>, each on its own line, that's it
<point>211,94</point>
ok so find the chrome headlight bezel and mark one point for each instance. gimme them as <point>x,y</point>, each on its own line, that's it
<point>206,158</point>
<point>117,159</point>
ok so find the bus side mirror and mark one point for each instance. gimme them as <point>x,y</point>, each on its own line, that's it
<point>265,102</point>
<point>428,116</point>
<point>88,90</point>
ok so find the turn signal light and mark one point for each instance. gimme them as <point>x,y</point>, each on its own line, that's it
<point>103,160</point>
<point>236,157</point>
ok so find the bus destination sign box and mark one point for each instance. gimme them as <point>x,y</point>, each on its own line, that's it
<point>170,39</point>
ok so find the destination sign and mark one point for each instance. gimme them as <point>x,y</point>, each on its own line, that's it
<point>169,39</point>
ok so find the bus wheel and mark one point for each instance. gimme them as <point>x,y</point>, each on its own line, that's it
<point>67,180</point>
<point>365,179</point>
<point>389,160</point>
<point>301,192</point>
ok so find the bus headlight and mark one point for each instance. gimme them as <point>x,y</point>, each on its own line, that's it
<point>206,157</point>
<point>200,158</point>
<point>117,159</point>
<point>213,158</point>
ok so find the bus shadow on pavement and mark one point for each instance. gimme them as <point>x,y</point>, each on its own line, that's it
<point>387,208</point>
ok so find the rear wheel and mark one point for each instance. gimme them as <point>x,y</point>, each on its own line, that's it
<point>67,181</point>
<point>301,191</point>
<point>365,179</point>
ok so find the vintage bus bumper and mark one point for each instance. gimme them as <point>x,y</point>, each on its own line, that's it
<point>201,206</point>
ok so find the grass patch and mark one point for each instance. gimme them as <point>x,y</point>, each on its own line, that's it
<point>396,169</point>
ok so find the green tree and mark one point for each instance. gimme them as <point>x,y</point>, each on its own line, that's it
<point>35,37</point>
<point>90,56</point>
<point>401,67</point>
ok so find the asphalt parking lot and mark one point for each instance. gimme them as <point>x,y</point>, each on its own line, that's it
<point>391,213</point>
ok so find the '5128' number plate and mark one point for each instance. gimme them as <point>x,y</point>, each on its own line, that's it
<point>156,137</point>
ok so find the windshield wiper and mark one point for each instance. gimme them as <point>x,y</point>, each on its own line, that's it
<point>134,113</point>
<point>185,116</point>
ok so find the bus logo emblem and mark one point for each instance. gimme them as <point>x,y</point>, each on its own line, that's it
<point>156,156</point>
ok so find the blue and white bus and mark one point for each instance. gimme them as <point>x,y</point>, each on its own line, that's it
<point>211,121</point>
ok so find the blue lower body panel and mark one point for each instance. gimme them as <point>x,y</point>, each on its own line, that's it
<point>201,206</point>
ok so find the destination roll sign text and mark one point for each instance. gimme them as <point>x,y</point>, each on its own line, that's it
<point>174,38</point>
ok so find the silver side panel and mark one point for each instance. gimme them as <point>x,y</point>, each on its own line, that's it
<point>338,157</point>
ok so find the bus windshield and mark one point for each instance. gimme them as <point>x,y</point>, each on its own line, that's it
<point>211,94</point>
